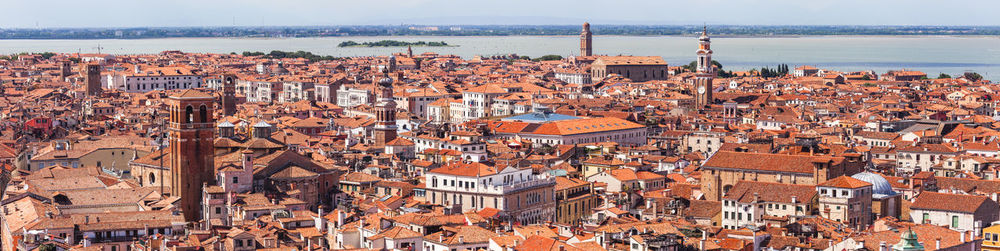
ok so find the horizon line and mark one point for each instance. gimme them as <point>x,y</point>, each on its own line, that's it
<point>498,25</point>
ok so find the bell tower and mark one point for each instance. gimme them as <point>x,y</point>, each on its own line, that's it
<point>191,133</point>
<point>586,42</point>
<point>701,84</point>
<point>92,79</point>
<point>228,94</point>
<point>385,113</point>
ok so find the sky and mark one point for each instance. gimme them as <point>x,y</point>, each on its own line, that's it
<point>171,13</point>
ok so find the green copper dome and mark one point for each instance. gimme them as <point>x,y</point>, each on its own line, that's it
<point>908,242</point>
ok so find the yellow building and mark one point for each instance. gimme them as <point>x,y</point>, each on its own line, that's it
<point>575,199</point>
<point>991,238</point>
<point>600,164</point>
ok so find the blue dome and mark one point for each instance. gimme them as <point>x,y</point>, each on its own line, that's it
<point>879,184</point>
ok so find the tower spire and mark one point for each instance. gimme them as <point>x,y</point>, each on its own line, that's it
<point>705,73</point>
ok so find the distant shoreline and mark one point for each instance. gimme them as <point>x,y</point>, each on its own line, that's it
<point>720,30</point>
<point>393,43</point>
<point>473,36</point>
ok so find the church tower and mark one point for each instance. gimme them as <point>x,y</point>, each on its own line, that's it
<point>228,94</point>
<point>385,113</point>
<point>702,83</point>
<point>92,79</point>
<point>586,42</point>
<point>191,133</point>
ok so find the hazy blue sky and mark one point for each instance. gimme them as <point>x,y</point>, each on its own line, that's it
<point>137,13</point>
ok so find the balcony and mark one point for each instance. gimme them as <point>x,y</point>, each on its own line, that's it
<point>498,190</point>
<point>512,188</point>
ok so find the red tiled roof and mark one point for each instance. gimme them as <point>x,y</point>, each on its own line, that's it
<point>767,162</point>
<point>949,202</point>
<point>466,169</point>
<point>845,182</point>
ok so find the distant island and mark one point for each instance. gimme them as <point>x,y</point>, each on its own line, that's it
<point>391,43</point>
<point>490,30</point>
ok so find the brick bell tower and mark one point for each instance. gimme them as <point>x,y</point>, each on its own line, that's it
<point>385,111</point>
<point>92,77</point>
<point>586,41</point>
<point>192,134</point>
<point>701,84</point>
<point>228,94</point>
<point>385,114</point>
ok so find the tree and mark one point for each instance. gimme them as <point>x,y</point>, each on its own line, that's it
<point>548,58</point>
<point>693,66</point>
<point>944,76</point>
<point>973,76</point>
<point>725,74</point>
<point>47,247</point>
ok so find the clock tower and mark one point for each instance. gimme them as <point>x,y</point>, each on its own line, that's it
<point>702,83</point>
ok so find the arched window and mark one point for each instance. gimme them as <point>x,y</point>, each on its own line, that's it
<point>152,178</point>
<point>204,114</point>
<point>189,115</point>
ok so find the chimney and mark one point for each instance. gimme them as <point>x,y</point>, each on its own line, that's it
<point>340,218</point>
<point>604,243</point>
<point>441,238</point>
<point>86,241</point>
<point>704,237</point>
<point>461,239</point>
<point>319,218</point>
<point>881,246</point>
<point>361,225</point>
<point>962,237</point>
<point>937,243</point>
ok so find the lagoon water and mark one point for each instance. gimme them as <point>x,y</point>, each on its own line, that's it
<point>931,54</point>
